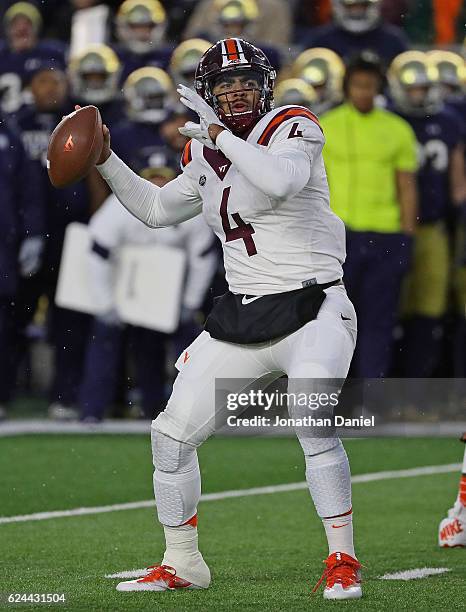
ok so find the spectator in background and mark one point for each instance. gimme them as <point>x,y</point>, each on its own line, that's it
<point>236,19</point>
<point>94,75</point>
<point>323,70</point>
<point>141,27</point>
<point>22,218</point>
<point>370,158</point>
<point>273,28</point>
<point>357,26</point>
<point>185,59</point>
<point>67,330</point>
<point>149,99</point>
<point>439,132</point>
<point>111,228</point>
<point>21,49</point>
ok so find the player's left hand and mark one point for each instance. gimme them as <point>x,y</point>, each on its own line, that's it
<point>193,100</point>
<point>30,255</point>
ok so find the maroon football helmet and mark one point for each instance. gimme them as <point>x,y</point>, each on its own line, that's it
<point>234,55</point>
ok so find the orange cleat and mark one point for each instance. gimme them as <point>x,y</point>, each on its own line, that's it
<point>158,578</point>
<point>343,577</point>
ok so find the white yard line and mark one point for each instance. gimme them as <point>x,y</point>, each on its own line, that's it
<point>294,486</point>
<point>412,574</point>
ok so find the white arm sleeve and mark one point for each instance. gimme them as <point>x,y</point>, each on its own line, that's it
<point>283,169</point>
<point>177,201</point>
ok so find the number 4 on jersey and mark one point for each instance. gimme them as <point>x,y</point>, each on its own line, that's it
<point>243,231</point>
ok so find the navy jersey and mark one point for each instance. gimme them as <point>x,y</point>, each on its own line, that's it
<point>130,137</point>
<point>159,58</point>
<point>458,106</point>
<point>437,136</point>
<point>62,205</point>
<point>385,40</point>
<point>22,206</point>
<point>15,67</point>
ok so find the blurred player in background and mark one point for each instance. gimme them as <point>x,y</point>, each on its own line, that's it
<point>111,228</point>
<point>94,76</point>
<point>148,99</point>
<point>236,18</point>
<point>357,26</point>
<point>273,28</point>
<point>414,88</point>
<point>141,27</point>
<point>23,222</point>
<point>21,49</point>
<point>452,529</point>
<point>370,157</point>
<point>185,59</point>
<point>324,70</point>
<point>67,329</point>
<point>261,186</point>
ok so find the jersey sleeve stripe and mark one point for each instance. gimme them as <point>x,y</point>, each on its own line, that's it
<point>284,115</point>
<point>187,155</point>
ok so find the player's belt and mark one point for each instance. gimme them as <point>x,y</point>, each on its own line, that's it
<point>244,319</point>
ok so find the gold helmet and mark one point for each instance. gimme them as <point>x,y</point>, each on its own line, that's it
<point>324,70</point>
<point>295,91</point>
<point>413,82</point>
<point>185,59</point>
<point>235,17</point>
<point>24,9</point>
<point>141,25</point>
<point>451,69</point>
<point>94,74</point>
<point>149,95</point>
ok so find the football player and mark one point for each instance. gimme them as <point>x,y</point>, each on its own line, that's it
<point>357,26</point>
<point>185,58</point>
<point>67,329</point>
<point>257,175</point>
<point>149,96</point>
<point>324,70</point>
<point>94,75</point>
<point>413,80</point>
<point>452,530</point>
<point>141,26</point>
<point>21,50</point>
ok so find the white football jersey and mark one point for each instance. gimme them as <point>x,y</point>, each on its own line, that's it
<point>271,245</point>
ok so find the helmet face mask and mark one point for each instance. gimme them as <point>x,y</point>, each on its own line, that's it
<point>357,16</point>
<point>233,60</point>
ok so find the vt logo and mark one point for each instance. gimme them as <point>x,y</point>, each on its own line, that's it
<point>69,144</point>
<point>223,168</point>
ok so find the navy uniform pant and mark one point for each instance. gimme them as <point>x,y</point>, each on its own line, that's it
<point>375,266</point>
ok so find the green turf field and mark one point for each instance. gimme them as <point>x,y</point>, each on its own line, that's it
<point>265,551</point>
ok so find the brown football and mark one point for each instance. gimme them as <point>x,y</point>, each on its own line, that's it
<point>74,147</point>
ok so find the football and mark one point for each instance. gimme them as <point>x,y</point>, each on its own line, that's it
<point>74,147</point>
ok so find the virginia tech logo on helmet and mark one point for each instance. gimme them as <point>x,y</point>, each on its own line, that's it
<point>232,52</point>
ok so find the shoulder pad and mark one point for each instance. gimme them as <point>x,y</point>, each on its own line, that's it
<point>282,115</point>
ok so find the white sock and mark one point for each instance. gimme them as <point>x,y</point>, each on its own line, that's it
<point>339,531</point>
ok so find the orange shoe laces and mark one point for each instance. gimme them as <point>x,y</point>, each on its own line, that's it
<point>343,571</point>
<point>165,573</point>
